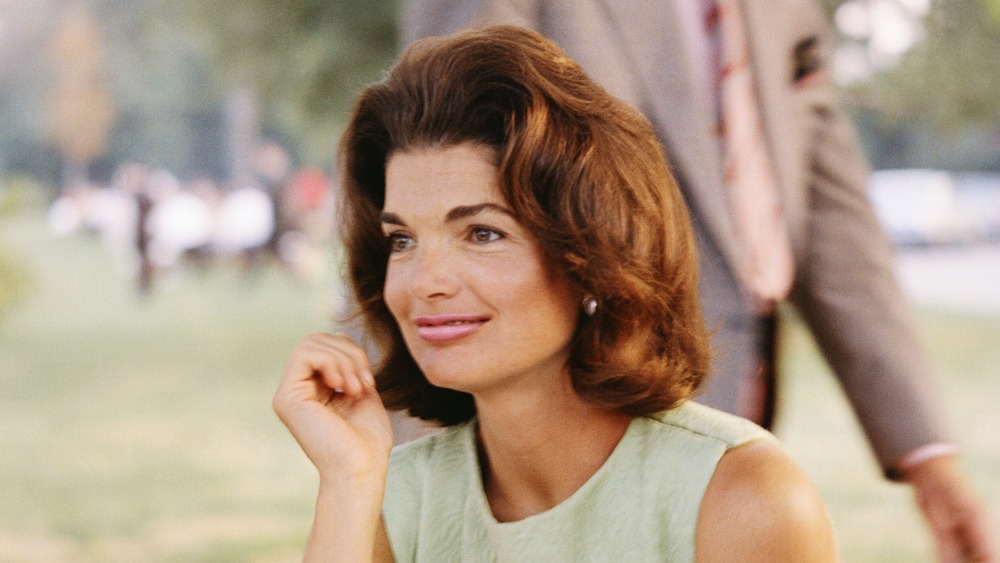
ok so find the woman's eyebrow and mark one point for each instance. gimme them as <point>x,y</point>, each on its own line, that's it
<point>464,211</point>
<point>391,218</point>
<point>456,213</point>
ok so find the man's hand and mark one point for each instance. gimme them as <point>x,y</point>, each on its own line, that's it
<point>961,526</point>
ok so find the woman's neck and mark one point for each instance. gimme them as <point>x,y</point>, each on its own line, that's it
<point>534,454</point>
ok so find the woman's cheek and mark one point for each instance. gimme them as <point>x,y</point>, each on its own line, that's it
<point>393,293</point>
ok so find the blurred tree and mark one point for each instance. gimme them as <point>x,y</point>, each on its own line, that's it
<point>166,91</point>
<point>24,87</point>
<point>170,66</point>
<point>304,59</point>
<point>82,110</point>
<point>994,7</point>
<point>953,76</point>
<point>15,279</point>
<point>157,74</point>
<point>938,106</point>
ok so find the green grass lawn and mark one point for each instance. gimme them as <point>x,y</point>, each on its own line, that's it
<point>877,520</point>
<point>136,429</point>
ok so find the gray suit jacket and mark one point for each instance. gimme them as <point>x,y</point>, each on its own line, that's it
<point>844,287</point>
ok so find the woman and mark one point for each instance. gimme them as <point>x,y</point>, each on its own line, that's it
<point>524,262</point>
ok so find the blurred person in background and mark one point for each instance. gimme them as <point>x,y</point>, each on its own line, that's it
<point>272,167</point>
<point>244,226</point>
<point>308,203</point>
<point>770,168</point>
<point>181,222</point>
<point>133,180</point>
<point>300,206</point>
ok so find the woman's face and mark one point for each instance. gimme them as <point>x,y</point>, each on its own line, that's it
<point>478,306</point>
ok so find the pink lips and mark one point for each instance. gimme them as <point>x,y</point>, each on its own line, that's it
<point>445,328</point>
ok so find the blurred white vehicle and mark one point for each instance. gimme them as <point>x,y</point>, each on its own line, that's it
<point>918,207</point>
<point>978,195</point>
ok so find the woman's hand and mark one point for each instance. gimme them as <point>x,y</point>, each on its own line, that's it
<point>327,399</point>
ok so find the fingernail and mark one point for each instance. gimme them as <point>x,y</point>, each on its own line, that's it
<point>368,378</point>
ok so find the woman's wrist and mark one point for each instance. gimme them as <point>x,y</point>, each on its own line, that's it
<point>357,473</point>
<point>346,518</point>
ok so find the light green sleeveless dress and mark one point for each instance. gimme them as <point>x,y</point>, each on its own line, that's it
<point>641,505</point>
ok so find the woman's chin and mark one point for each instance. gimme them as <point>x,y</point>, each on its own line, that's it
<point>453,381</point>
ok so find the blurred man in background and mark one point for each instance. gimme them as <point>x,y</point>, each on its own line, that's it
<point>771,170</point>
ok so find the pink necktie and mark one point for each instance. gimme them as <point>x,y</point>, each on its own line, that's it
<point>765,262</point>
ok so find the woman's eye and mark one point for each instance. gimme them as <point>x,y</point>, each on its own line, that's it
<point>399,242</point>
<point>484,234</point>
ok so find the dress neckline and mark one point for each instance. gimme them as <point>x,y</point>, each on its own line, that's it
<point>477,492</point>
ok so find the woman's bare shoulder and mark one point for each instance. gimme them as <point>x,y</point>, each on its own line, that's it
<point>760,506</point>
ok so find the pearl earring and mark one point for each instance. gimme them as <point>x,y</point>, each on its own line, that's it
<point>589,305</point>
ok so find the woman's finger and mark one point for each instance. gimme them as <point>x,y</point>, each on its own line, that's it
<point>351,360</point>
<point>336,361</point>
<point>360,356</point>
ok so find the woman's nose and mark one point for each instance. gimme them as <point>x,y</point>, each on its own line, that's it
<point>433,272</point>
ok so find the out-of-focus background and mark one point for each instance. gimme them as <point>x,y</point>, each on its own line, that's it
<point>166,204</point>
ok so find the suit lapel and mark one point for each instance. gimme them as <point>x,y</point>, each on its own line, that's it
<point>773,76</point>
<point>681,112</point>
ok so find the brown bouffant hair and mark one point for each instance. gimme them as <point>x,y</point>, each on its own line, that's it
<point>580,169</point>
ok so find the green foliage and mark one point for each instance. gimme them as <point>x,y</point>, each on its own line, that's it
<point>164,84</point>
<point>994,8</point>
<point>305,59</point>
<point>830,6</point>
<point>170,65</point>
<point>951,78</point>
<point>155,68</point>
<point>21,194</point>
<point>938,107</point>
<point>14,280</point>
<point>24,87</point>
<point>81,109</point>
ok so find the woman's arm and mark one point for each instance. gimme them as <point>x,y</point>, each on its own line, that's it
<point>342,526</point>
<point>328,401</point>
<point>760,506</point>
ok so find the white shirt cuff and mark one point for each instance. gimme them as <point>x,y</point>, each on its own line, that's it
<point>925,453</point>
